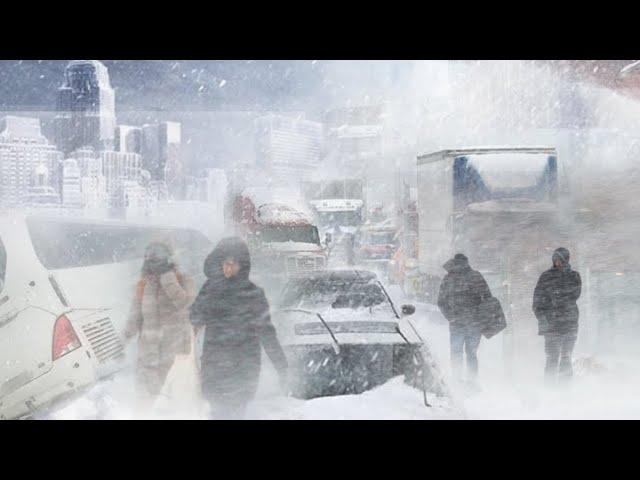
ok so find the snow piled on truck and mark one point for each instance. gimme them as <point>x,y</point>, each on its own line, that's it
<point>277,213</point>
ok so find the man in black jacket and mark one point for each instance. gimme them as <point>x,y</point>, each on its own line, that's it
<point>235,313</point>
<point>554,304</point>
<point>461,292</point>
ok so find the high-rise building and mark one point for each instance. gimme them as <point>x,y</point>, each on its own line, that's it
<point>128,139</point>
<point>94,195</point>
<point>354,137</point>
<point>27,159</point>
<point>134,196</point>
<point>288,149</point>
<point>86,114</point>
<point>158,190</point>
<point>71,184</point>
<point>88,161</point>
<point>161,151</point>
<point>119,167</point>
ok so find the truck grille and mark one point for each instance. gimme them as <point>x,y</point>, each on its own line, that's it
<point>307,264</point>
<point>104,340</point>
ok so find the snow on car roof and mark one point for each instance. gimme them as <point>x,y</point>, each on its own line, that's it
<point>344,275</point>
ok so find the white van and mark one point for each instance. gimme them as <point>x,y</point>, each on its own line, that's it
<point>65,290</point>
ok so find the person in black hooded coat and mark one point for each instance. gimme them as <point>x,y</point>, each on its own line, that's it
<point>554,304</point>
<point>461,292</point>
<point>235,313</point>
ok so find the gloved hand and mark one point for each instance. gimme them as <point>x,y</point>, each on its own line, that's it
<point>164,266</point>
<point>157,266</point>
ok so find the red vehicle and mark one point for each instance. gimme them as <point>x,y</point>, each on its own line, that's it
<point>283,240</point>
<point>377,244</point>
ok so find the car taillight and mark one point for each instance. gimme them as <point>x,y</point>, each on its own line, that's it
<point>65,339</point>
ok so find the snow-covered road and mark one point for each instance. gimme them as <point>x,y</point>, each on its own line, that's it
<point>606,387</point>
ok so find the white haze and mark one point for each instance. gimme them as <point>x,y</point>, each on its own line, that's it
<point>432,105</point>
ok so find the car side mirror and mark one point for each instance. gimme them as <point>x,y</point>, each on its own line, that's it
<point>408,310</point>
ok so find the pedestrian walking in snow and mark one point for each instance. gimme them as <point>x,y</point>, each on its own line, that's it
<point>350,248</point>
<point>462,292</point>
<point>159,317</point>
<point>554,304</point>
<point>235,315</point>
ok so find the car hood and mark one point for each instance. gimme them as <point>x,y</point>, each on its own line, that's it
<point>349,326</point>
<point>293,247</point>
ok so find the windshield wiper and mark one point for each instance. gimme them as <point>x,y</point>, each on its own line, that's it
<point>393,307</point>
<point>336,344</point>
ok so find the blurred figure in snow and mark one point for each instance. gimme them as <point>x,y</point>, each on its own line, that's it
<point>159,316</point>
<point>235,314</point>
<point>554,304</point>
<point>327,241</point>
<point>350,248</point>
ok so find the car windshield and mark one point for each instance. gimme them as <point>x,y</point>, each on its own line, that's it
<point>290,233</point>
<point>317,293</point>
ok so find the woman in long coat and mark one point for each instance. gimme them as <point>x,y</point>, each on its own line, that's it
<point>235,313</point>
<point>159,315</point>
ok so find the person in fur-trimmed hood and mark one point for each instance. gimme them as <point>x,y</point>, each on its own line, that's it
<point>235,314</point>
<point>159,316</point>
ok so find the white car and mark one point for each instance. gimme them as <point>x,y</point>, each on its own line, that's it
<point>343,334</point>
<point>65,291</point>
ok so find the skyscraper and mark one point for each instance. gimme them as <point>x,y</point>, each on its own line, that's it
<point>288,149</point>
<point>128,139</point>
<point>161,154</point>
<point>354,137</point>
<point>86,115</point>
<point>117,168</point>
<point>71,184</point>
<point>27,159</point>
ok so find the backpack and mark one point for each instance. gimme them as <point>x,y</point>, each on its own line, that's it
<point>493,319</point>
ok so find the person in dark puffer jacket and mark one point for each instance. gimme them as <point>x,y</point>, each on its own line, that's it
<point>461,292</point>
<point>554,304</point>
<point>235,314</point>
